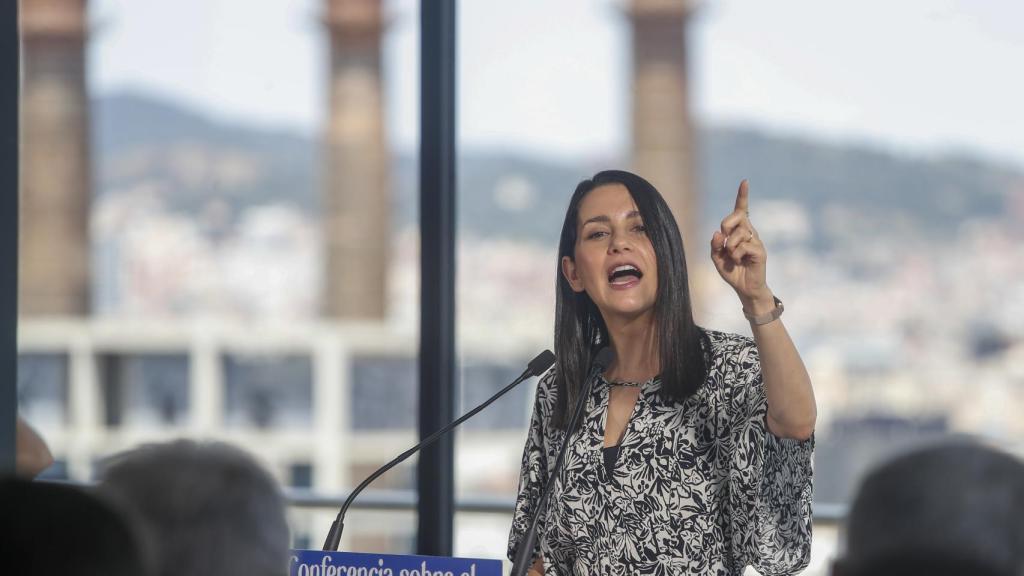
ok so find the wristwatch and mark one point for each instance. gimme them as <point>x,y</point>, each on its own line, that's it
<point>767,317</point>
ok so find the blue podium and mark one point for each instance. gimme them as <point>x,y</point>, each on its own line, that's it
<point>321,563</point>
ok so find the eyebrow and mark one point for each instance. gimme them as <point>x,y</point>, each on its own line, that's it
<point>603,218</point>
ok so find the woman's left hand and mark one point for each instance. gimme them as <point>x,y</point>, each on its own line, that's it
<point>740,256</point>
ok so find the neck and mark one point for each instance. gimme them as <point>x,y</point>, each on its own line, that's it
<point>635,344</point>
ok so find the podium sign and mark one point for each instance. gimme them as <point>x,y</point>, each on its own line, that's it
<point>321,563</point>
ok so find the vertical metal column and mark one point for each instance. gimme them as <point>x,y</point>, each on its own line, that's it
<point>9,79</point>
<point>436,470</point>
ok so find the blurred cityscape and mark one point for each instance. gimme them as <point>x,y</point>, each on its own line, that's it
<point>905,283</point>
<point>210,310</point>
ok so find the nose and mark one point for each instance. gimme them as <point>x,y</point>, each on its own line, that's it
<point>619,243</point>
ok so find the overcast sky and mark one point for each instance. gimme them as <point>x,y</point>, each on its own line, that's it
<point>550,77</point>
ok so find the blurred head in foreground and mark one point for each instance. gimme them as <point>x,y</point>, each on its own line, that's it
<point>951,509</point>
<point>55,529</point>
<point>208,508</point>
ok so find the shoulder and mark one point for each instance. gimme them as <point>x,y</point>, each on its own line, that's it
<point>729,352</point>
<point>546,390</point>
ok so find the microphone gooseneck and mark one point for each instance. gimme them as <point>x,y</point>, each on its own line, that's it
<point>536,367</point>
<point>524,551</point>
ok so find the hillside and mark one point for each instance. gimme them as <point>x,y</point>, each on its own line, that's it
<point>191,161</point>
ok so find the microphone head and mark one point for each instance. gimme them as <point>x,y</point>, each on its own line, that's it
<point>541,363</point>
<point>603,358</point>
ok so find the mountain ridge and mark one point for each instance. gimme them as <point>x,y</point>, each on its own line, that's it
<point>191,159</point>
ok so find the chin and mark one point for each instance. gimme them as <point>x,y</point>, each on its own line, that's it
<point>629,309</point>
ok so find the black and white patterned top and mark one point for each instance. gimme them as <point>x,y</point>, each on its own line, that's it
<point>700,487</point>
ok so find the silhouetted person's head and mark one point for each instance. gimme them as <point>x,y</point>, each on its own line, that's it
<point>50,529</point>
<point>209,508</point>
<point>944,510</point>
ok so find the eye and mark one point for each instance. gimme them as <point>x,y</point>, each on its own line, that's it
<point>640,228</point>
<point>596,234</point>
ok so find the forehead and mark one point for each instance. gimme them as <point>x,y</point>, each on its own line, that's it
<point>612,200</point>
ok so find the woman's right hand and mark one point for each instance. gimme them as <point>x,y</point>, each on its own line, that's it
<point>538,567</point>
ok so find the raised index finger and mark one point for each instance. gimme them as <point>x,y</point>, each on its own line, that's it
<point>743,197</point>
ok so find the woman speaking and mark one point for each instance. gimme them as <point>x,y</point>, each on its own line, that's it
<point>693,452</point>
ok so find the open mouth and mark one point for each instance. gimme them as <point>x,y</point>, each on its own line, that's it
<point>624,275</point>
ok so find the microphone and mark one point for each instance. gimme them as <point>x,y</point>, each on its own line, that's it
<point>536,367</point>
<point>522,560</point>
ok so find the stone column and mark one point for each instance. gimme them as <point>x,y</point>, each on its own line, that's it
<point>356,209</point>
<point>56,180</point>
<point>663,148</point>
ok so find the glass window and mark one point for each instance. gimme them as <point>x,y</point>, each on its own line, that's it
<point>57,471</point>
<point>251,189</point>
<point>300,475</point>
<point>255,188</point>
<point>43,389</point>
<point>384,391</point>
<point>480,380</point>
<point>891,216</point>
<point>267,392</point>
<point>146,389</point>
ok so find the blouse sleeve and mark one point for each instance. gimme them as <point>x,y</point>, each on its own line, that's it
<point>770,485</point>
<point>533,473</point>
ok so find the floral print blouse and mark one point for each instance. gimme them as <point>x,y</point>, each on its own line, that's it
<point>698,487</point>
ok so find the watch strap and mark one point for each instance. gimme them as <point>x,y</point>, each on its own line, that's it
<point>767,317</point>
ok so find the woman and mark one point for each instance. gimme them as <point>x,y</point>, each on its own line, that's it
<point>693,454</point>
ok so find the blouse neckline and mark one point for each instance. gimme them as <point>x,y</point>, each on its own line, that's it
<point>636,384</point>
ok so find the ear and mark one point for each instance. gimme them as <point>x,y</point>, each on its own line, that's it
<point>569,271</point>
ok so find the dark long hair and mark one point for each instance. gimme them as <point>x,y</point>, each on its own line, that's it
<point>580,331</point>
